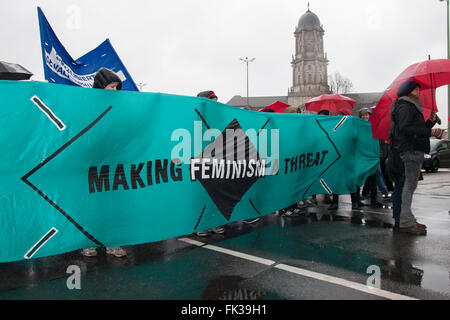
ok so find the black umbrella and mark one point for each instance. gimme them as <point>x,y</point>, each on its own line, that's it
<point>13,71</point>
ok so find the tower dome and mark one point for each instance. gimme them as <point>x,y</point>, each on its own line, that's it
<point>308,18</point>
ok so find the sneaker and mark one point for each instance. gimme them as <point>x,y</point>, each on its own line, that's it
<point>397,225</point>
<point>118,252</point>
<point>203,233</point>
<point>355,206</point>
<point>251,220</point>
<point>377,205</point>
<point>218,230</point>
<point>89,252</point>
<point>302,204</point>
<point>415,229</point>
<point>327,199</point>
<point>309,203</point>
<point>333,206</point>
<point>361,204</point>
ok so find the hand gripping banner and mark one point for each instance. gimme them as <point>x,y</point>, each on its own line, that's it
<point>86,167</point>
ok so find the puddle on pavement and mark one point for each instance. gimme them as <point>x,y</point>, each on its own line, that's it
<point>231,288</point>
<point>431,277</point>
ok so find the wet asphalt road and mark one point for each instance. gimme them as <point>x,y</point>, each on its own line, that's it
<point>315,255</point>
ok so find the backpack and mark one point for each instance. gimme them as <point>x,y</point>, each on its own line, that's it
<point>394,164</point>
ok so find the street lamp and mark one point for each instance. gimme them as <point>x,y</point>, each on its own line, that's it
<point>247,60</point>
<point>141,85</point>
<point>448,57</point>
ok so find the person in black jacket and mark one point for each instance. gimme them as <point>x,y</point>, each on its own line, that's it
<point>370,186</point>
<point>412,140</point>
<point>107,80</point>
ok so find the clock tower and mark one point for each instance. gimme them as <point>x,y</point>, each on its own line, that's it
<point>310,75</point>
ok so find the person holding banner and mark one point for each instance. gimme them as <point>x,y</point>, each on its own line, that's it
<point>108,80</point>
<point>355,196</point>
<point>209,94</point>
<point>371,182</point>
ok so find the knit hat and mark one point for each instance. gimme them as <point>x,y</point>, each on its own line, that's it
<point>364,111</point>
<point>406,88</point>
<point>207,94</point>
<point>104,77</point>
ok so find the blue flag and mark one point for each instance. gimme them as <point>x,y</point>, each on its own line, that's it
<point>60,67</point>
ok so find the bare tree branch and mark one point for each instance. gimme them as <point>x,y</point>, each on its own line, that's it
<point>339,84</point>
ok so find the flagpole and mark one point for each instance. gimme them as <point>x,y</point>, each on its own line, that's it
<point>448,57</point>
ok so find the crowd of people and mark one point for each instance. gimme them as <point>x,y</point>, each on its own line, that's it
<point>400,163</point>
<point>396,177</point>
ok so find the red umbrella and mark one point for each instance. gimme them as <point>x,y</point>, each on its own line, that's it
<point>277,106</point>
<point>430,74</point>
<point>331,102</point>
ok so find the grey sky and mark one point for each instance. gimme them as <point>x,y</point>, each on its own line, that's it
<point>184,47</point>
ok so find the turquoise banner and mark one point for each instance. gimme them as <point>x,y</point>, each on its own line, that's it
<point>87,167</point>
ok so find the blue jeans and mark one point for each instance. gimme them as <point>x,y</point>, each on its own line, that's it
<point>380,182</point>
<point>397,199</point>
<point>413,161</point>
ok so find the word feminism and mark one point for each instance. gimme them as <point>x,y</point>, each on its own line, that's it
<point>205,168</point>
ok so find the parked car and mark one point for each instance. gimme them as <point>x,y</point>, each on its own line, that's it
<point>439,156</point>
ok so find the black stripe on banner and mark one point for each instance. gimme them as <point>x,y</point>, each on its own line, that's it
<point>265,124</point>
<point>49,113</point>
<point>337,151</point>
<point>340,123</point>
<point>200,218</point>
<point>254,207</point>
<point>324,185</point>
<point>40,243</point>
<point>203,119</point>
<point>43,163</point>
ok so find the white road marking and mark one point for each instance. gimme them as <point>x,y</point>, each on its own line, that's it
<point>241,255</point>
<point>302,272</point>
<point>344,283</point>
<point>193,242</point>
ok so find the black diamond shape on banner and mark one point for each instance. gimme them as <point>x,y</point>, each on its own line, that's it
<point>226,193</point>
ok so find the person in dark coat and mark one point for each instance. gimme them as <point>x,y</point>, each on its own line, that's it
<point>412,140</point>
<point>209,94</point>
<point>370,186</point>
<point>354,196</point>
<point>107,80</point>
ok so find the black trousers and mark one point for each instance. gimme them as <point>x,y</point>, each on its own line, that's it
<point>355,196</point>
<point>371,187</point>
